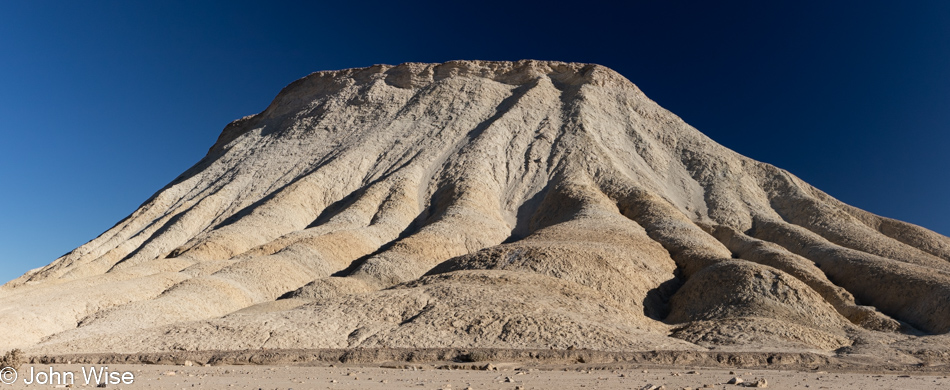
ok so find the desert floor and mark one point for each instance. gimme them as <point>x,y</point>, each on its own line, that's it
<point>498,376</point>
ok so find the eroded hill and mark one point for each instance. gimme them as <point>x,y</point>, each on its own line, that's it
<point>484,204</point>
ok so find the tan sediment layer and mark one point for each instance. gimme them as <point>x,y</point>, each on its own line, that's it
<point>477,359</point>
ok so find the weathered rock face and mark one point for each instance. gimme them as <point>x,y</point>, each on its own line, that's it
<point>481,204</point>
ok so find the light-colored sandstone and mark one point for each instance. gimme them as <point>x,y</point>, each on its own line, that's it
<point>485,204</point>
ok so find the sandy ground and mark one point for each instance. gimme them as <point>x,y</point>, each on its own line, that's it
<point>502,376</point>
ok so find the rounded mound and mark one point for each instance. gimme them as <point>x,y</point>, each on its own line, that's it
<point>735,302</point>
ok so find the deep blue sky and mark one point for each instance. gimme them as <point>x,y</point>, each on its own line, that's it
<point>103,103</point>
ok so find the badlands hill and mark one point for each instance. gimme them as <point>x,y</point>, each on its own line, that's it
<point>485,204</point>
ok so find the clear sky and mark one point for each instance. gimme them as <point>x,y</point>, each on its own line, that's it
<point>103,103</point>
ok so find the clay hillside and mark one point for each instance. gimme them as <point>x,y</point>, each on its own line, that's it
<point>485,204</point>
